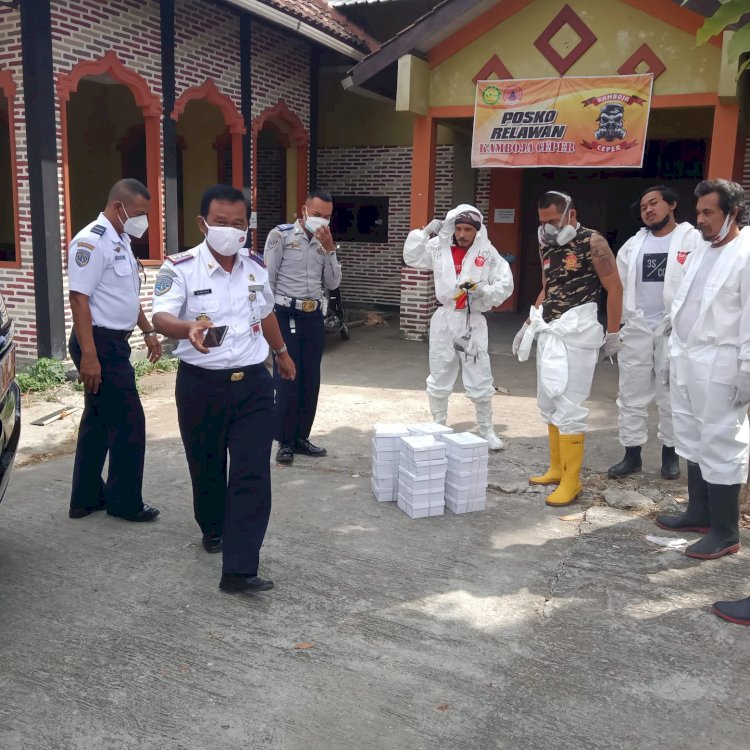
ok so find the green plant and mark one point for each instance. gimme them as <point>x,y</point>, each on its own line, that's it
<point>165,364</point>
<point>727,14</point>
<point>42,375</point>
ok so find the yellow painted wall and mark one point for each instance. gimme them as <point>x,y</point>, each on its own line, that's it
<point>199,125</point>
<point>620,29</point>
<point>348,119</point>
<point>99,115</point>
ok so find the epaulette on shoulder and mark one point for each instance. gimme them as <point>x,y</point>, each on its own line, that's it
<point>180,257</point>
<point>98,229</point>
<point>284,227</point>
<point>257,257</point>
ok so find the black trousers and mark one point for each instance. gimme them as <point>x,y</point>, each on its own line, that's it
<point>221,418</point>
<point>112,422</point>
<point>297,400</point>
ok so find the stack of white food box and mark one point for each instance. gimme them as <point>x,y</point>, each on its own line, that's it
<point>421,476</point>
<point>466,478</point>
<point>425,467</point>
<point>386,450</point>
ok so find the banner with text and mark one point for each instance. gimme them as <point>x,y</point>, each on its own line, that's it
<point>595,122</point>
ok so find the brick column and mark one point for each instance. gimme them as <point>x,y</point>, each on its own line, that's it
<point>417,303</point>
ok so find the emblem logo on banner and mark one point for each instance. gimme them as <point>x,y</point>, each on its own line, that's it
<point>598,121</point>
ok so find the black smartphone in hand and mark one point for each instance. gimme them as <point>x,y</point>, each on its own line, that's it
<point>214,336</point>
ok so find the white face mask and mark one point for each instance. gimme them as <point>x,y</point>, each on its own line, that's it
<point>313,223</point>
<point>724,231</point>
<point>226,241</point>
<point>135,226</point>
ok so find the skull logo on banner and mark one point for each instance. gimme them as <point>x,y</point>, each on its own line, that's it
<point>611,123</point>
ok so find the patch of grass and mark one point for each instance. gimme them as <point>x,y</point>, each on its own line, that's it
<point>43,375</point>
<point>165,364</point>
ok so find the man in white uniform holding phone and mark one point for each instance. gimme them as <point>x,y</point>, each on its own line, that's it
<point>218,304</point>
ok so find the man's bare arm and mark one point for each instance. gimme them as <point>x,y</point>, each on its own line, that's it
<point>606,269</point>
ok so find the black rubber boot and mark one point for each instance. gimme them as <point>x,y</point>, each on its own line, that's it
<point>670,463</point>
<point>737,611</point>
<point>724,537</point>
<point>630,464</point>
<point>697,517</point>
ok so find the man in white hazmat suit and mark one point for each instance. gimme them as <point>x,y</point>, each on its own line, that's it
<point>470,278</point>
<point>576,263</point>
<point>651,266</point>
<point>709,375</point>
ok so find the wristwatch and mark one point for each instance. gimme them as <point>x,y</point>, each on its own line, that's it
<point>279,351</point>
<point>147,334</point>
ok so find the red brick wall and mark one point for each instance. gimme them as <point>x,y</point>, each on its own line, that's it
<point>482,192</point>
<point>207,45</point>
<point>281,70</point>
<point>18,283</point>
<point>372,273</point>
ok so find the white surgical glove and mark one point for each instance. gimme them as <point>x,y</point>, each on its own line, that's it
<point>434,227</point>
<point>741,394</point>
<point>612,344</point>
<point>518,338</point>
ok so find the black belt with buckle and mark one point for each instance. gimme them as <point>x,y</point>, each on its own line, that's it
<point>233,375</point>
<point>111,333</point>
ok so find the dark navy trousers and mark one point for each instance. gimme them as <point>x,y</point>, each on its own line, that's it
<point>297,400</point>
<point>112,422</point>
<point>227,421</point>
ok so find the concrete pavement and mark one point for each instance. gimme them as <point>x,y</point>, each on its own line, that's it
<point>521,627</point>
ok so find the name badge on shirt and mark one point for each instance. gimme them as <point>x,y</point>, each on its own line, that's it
<point>121,257</point>
<point>654,267</point>
<point>255,328</point>
<point>198,292</point>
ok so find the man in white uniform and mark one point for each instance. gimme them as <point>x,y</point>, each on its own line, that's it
<point>470,278</point>
<point>710,372</point>
<point>651,266</point>
<point>576,263</point>
<point>105,286</point>
<point>218,304</point>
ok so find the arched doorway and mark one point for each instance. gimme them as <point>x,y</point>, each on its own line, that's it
<point>209,137</point>
<point>280,153</point>
<point>110,130</point>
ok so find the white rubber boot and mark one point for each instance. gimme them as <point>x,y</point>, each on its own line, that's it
<point>438,408</point>
<point>486,429</point>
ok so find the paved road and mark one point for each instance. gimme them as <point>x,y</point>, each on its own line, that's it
<point>504,629</point>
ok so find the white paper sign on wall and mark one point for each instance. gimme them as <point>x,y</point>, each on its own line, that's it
<point>505,215</point>
<point>253,220</point>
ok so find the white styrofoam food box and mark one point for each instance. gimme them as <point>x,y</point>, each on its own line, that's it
<point>465,445</point>
<point>425,469</point>
<point>417,483</point>
<point>458,508</point>
<point>429,428</point>
<point>387,436</point>
<point>422,448</point>
<point>419,512</point>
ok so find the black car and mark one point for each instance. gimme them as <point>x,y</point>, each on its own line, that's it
<point>10,399</point>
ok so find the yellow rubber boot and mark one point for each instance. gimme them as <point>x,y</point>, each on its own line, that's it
<point>571,456</point>
<point>554,473</point>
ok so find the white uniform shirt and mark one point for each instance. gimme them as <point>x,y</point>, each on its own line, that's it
<point>192,284</point>
<point>649,281</point>
<point>688,314</point>
<point>102,266</point>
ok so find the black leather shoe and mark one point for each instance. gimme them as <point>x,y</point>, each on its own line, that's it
<point>670,463</point>
<point>147,513</point>
<point>308,449</point>
<point>83,512</point>
<point>629,465</point>
<point>211,543</point>
<point>285,454</point>
<point>737,611</point>
<point>237,583</point>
